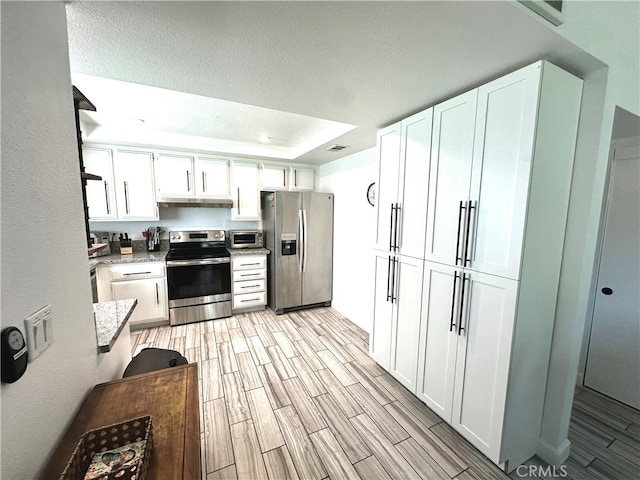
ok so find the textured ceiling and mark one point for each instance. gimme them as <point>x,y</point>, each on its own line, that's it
<point>362,63</point>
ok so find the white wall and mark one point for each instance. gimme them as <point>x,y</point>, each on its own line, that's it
<point>41,202</point>
<point>354,233</point>
<point>609,31</point>
<point>181,218</point>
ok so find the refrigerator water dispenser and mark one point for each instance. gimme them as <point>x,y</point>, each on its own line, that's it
<point>289,244</point>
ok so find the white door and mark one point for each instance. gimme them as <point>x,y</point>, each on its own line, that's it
<point>150,295</point>
<point>451,155</point>
<point>415,153</point>
<point>406,297</point>
<point>388,152</point>
<point>101,194</point>
<point>483,357</point>
<point>245,191</point>
<point>133,173</point>
<point>438,340</point>
<point>380,344</point>
<point>613,358</point>
<point>174,175</point>
<point>505,128</point>
<point>212,177</point>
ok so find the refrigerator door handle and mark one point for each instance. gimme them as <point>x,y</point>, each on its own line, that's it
<point>300,241</point>
<point>304,237</point>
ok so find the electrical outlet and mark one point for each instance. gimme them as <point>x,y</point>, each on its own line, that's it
<point>39,328</point>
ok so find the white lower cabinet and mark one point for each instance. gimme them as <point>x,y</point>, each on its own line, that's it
<point>249,282</point>
<point>465,351</point>
<point>397,316</point>
<point>144,281</point>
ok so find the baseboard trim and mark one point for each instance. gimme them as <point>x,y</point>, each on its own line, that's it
<point>554,455</point>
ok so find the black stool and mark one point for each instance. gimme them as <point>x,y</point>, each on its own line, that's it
<point>150,359</point>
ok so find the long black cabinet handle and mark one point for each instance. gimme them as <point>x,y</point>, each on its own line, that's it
<point>467,260</point>
<point>157,294</point>
<point>460,209</point>
<point>452,324</point>
<point>389,279</point>
<point>106,196</point>
<point>396,240</point>
<point>393,280</point>
<point>465,277</point>
<point>188,182</point>
<point>391,228</point>
<point>238,200</point>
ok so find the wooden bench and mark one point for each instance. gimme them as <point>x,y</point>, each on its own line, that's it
<point>170,396</point>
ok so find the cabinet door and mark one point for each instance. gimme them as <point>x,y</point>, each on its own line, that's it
<point>407,295</point>
<point>388,153</point>
<point>133,173</point>
<point>380,344</point>
<point>151,296</point>
<point>302,179</point>
<point>101,194</point>
<point>502,156</point>
<point>174,175</point>
<point>274,177</point>
<point>246,192</point>
<point>483,358</point>
<point>438,337</point>
<point>415,153</point>
<point>451,156</point>
<point>212,177</point>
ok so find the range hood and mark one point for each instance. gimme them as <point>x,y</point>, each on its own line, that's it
<point>195,202</point>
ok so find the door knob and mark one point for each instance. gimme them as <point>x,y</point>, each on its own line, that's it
<point>607,291</point>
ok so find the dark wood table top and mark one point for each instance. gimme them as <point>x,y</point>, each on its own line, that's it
<point>170,396</point>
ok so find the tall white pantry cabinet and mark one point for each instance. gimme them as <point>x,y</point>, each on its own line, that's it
<point>498,162</point>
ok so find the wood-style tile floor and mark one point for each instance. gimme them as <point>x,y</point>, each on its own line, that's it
<point>297,396</point>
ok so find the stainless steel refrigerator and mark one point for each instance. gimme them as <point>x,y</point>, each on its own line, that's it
<point>298,229</point>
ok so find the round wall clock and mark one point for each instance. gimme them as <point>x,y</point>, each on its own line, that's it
<point>371,194</point>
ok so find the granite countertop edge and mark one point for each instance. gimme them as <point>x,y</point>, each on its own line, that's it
<point>110,318</point>
<point>235,252</point>
<point>135,257</point>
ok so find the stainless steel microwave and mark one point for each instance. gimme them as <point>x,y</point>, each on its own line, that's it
<point>245,239</point>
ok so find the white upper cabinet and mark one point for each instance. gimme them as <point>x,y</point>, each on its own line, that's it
<point>101,194</point>
<point>284,177</point>
<point>212,177</point>
<point>245,191</point>
<point>451,155</point>
<point>502,157</point>
<point>174,175</point>
<point>301,178</point>
<point>133,174</point>
<point>388,158</point>
<point>274,177</point>
<point>403,176</point>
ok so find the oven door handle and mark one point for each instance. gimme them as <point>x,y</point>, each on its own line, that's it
<point>204,261</point>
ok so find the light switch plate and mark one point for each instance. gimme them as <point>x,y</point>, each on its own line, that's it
<point>39,329</point>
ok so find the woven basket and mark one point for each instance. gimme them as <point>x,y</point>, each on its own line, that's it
<point>111,437</point>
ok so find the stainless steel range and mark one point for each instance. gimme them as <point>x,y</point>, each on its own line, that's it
<point>198,276</point>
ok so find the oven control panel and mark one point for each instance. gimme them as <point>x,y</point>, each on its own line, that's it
<point>197,236</point>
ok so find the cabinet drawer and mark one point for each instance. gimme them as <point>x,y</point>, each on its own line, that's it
<point>135,271</point>
<point>249,286</point>
<point>242,275</point>
<point>249,262</point>
<point>247,300</point>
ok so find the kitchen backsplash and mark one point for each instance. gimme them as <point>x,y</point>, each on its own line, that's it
<point>171,219</point>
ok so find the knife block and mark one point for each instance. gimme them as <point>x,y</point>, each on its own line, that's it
<point>125,247</point>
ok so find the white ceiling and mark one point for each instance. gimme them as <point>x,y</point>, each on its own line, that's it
<point>306,66</point>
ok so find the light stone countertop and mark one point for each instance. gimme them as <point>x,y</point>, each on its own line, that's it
<point>110,318</point>
<point>135,257</point>
<point>248,251</point>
